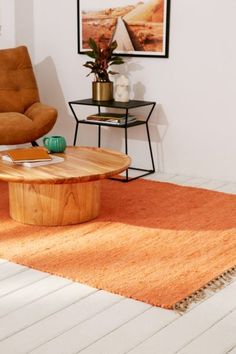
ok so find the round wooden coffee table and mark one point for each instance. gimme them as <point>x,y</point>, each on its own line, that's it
<point>63,193</point>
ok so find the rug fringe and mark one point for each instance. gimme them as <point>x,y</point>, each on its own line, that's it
<point>214,285</point>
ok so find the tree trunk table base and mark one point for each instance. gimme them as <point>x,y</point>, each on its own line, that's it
<point>54,204</point>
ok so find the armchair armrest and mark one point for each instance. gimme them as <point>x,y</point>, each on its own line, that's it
<point>43,117</point>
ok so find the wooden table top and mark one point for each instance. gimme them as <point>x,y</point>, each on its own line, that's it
<point>81,164</point>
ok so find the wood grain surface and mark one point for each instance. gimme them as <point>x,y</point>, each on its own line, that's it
<point>54,204</point>
<point>81,164</point>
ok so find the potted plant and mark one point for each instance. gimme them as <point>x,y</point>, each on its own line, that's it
<point>103,58</point>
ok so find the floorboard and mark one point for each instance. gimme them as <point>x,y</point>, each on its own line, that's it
<point>228,188</point>
<point>30,293</point>
<point>232,350</point>
<point>191,324</point>
<point>86,333</point>
<point>53,326</point>
<point>20,280</point>
<point>2,261</point>
<point>133,332</point>
<point>217,339</point>
<point>42,308</point>
<point>9,269</point>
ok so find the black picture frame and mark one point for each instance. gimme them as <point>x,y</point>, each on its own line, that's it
<point>139,38</point>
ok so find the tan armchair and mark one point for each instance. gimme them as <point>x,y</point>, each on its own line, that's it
<point>23,118</point>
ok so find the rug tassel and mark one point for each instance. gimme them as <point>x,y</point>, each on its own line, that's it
<point>213,285</point>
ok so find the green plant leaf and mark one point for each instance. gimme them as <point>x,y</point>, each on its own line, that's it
<point>90,62</point>
<point>92,44</point>
<point>112,72</point>
<point>90,54</point>
<point>89,65</point>
<point>117,62</point>
<point>113,46</point>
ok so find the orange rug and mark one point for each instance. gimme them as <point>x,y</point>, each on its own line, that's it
<point>154,242</point>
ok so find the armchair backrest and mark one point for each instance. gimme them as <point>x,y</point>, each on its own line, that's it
<point>18,87</point>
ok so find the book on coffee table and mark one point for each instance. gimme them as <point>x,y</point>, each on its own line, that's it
<point>35,163</point>
<point>29,154</point>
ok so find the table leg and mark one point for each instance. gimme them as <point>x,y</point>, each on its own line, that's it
<point>76,133</point>
<point>54,204</point>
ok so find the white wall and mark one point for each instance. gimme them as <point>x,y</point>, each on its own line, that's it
<point>7,22</point>
<point>193,128</point>
<point>24,24</point>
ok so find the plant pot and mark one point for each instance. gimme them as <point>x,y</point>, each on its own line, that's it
<point>102,91</point>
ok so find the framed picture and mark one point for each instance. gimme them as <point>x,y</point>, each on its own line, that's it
<point>140,27</point>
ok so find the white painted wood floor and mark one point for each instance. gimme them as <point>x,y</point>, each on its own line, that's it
<point>44,314</point>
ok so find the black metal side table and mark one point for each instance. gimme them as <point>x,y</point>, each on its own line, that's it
<point>126,106</point>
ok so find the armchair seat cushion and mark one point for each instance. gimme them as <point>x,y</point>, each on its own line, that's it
<point>18,128</point>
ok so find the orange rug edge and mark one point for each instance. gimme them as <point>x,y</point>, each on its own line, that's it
<point>214,285</point>
<point>181,306</point>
